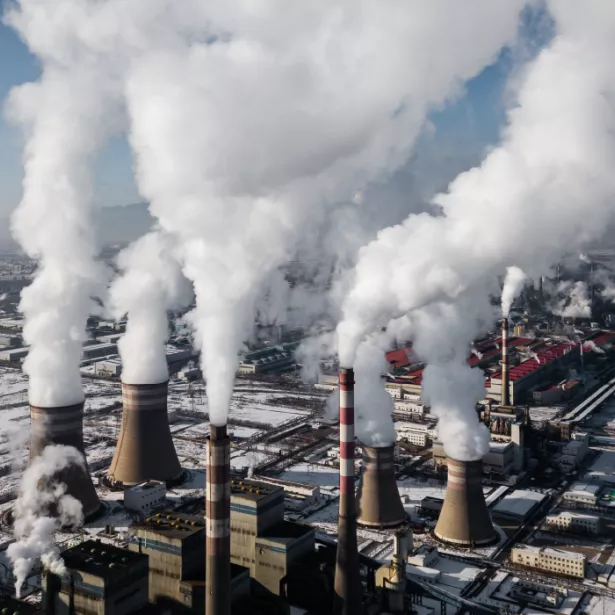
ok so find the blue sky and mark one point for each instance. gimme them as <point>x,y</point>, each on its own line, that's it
<point>469,124</point>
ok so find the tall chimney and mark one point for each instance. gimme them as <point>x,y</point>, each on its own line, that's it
<point>64,425</point>
<point>505,399</point>
<point>145,448</point>
<point>464,519</point>
<point>348,591</point>
<point>379,501</point>
<point>218,523</point>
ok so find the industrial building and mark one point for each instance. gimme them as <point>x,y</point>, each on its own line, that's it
<point>583,493</point>
<point>101,579</point>
<point>274,359</point>
<point>554,560</point>
<point>145,496</point>
<point>499,460</point>
<point>566,521</point>
<point>261,540</point>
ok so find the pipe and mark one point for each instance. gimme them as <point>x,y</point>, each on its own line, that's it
<point>348,591</point>
<point>218,523</point>
<point>505,394</point>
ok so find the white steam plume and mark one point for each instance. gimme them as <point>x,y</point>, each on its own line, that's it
<point>576,302</point>
<point>337,92</point>
<point>591,345</point>
<point>476,352</point>
<point>548,187</point>
<point>151,284</point>
<point>41,495</point>
<point>512,287</point>
<point>65,117</point>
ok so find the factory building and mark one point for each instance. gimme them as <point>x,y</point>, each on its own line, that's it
<point>64,425</point>
<point>464,520</point>
<point>95,351</point>
<point>261,540</point>
<point>144,449</point>
<point>500,459</point>
<point>145,496</point>
<point>275,359</point>
<point>553,560</point>
<point>303,494</point>
<point>14,355</point>
<point>101,579</point>
<point>575,522</point>
<point>531,373</point>
<point>583,493</point>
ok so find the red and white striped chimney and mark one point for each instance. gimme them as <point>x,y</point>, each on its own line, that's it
<point>348,592</point>
<point>505,397</point>
<point>218,523</point>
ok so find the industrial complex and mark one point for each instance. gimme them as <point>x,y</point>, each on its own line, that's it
<point>283,510</point>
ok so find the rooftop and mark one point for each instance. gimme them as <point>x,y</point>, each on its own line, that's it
<point>253,490</point>
<point>101,560</point>
<point>147,486</point>
<point>171,524</point>
<point>16,607</point>
<point>519,503</point>
<point>547,355</point>
<point>286,531</point>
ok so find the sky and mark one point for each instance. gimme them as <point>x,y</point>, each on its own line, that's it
<point>454,140</point>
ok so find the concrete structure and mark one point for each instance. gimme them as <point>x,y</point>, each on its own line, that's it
<point>98,350</point>
<point>101,580</point>
<point>583,493</point>
<point>499,460</point>
<point>110,367</point>
<point>175,544</point>
<point>348,589</point>
<point>145,496</point>
<point>13,606</point>
<point>304,493</point>
<point>218,522</point>
<point>378,496</point>
<point>64,425</point>
<point>391,578</point>
<point>554,560</point>
<point>14,354</point>
<point>144,448</point>
<point>518,505</point>
<point>575,522</point>
<point>465,520</point>
<point>260,538</point>
<point>277,358</point>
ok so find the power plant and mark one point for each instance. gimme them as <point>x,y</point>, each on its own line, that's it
<point>347,580</point>
<point>378,497</point>
<point>218,522</point>
<point>64,425</point>
<point>464,519</point>
<point>144,449</point>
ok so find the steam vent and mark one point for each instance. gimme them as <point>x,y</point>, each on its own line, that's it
<point>464,519</point>
<point>64,425</point>
<point>145,448</point>
<point>379,501</point>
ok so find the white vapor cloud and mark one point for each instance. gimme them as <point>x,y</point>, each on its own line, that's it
<point>513,284</point>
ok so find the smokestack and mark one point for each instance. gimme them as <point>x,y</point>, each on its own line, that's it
<point>505,398</point>
<point>218,523</point>
<point>64,425</point>
<point>379,501</point>
<point>348,589</point>
<point>464,519</point>
<point>145,448</point>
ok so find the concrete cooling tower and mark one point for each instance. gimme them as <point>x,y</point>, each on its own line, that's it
<point>464,519</point>
<point>64,425</point>
<point>144,448</point>
<point>379,501</point>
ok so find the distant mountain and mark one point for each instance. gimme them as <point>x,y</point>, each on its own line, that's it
<point>114,225</point>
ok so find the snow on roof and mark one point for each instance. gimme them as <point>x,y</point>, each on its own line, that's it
<point>519,503</point>
<point>585,487</point>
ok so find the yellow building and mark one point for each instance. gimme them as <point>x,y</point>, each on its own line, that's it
<point>554,560</point>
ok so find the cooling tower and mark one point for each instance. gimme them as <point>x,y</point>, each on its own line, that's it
<point>505,400</point>
<point>218,523</point>
<point>348,589</point>
<point>464,519</point>
<point>379,501</point>
<point>144,448</point>
<point>64,425</point>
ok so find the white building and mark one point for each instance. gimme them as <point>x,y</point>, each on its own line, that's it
<point>584,493</point>
<point>110,367</point>
<point>145,496</point>
<point>575,522</point>
<point>554,560</point>
<point>309,494</point>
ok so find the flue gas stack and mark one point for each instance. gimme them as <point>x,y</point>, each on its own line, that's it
<point>218,522</point>
<point>64,425</point>
<point>379,500</point>
<point>464,520</point>
<point>505,379</point>
<point>145,449</point>
<point>348,591</point>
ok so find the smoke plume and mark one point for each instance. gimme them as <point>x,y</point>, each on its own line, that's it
<point>40,497</point>
<point>548,187</point>
<point>512,287</point>
<point>65,117</point>
<point>591,345</point>
<point>151,284</point>
<point>575,302</point>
